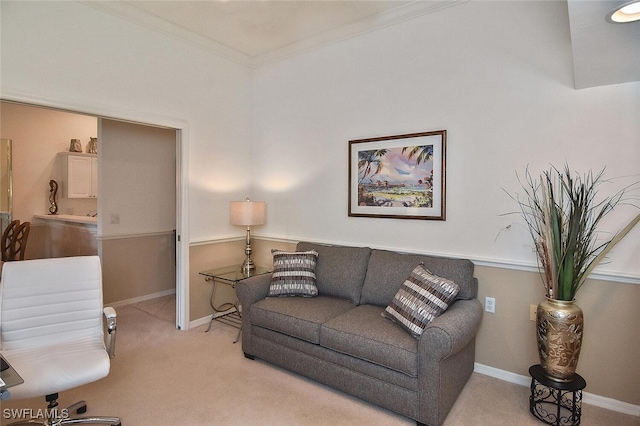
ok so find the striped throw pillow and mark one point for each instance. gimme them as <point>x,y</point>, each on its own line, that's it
<point>294,273</point>
<point>422,297</point>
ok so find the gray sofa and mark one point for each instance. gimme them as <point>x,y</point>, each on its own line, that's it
<point>340,338</point>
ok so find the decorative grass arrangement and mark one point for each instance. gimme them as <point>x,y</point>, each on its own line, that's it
<point>562,214</point>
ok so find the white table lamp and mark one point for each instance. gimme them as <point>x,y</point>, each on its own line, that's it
<point>247,213</point>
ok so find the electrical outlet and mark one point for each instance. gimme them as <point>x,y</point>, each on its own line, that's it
<point>490,304</point>
<point>532,312</point>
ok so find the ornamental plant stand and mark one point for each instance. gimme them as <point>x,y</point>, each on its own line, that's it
<point>555,403</point>
<point>562,213</point>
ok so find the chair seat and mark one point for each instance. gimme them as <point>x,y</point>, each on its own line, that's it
<point>58,367</point>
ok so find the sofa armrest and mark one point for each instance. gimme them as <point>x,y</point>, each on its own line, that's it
<point>446,358</point>
<point>451,331</point>
<point>250,291</point>
<point>253,289</point>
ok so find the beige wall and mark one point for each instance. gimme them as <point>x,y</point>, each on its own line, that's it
<point>203,257</point>
<point>38,135</point>
<point>611,346</point>
<point>137,267</point>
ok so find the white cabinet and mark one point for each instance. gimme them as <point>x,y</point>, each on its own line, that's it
<point>79,175</point>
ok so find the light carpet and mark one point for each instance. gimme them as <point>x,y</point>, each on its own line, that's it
<point>162,376</point>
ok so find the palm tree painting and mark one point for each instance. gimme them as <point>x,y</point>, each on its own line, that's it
<point>400,176</point>
<point>396,177</point>
<point>369,159</point>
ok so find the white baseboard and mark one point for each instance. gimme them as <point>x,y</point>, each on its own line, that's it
<point>142,298</point>
<point>505,375</point>
<point>587,398</point>
<point>207,319</point>
<point>199,322</point>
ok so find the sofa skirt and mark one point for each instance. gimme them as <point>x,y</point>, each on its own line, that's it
<point>373,383</point>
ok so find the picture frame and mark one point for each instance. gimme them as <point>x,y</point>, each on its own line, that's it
<point>399,177</point>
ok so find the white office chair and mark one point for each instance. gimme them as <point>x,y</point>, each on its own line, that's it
<point>51,331</point>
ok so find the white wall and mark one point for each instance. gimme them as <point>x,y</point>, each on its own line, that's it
<point>137,180</point>
<point>71,55</point>
<point>496,75</point>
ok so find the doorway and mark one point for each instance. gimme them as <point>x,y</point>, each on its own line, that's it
<point>133,165</point>
<point>137,210</point>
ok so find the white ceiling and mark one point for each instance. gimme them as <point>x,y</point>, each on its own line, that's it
<point>254,32</point>
<point>603,53</point>
<point>256,28</point>
<point>257,32</point>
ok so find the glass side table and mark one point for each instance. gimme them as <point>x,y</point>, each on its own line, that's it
<point>555,403</point>
<point>229,313</point>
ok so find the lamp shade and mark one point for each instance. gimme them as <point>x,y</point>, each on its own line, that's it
<point>247,213</point>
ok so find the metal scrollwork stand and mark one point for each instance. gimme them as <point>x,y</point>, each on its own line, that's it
<point>53,191</point>
<point>556,403</point>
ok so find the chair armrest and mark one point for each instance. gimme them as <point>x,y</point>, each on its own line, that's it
<point>451,331</point>
<point>110,315</point>
<point>253,289</point>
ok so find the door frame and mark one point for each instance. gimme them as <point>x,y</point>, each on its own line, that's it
<point>182,226</point>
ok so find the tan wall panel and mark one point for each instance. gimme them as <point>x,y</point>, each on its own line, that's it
<point>205,257</point>
<point>218,255</point>
<point>611,341</point>
<point>137,266</point>
<point>262,250</point>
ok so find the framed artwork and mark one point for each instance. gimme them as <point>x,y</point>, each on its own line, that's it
<point>400,177</point>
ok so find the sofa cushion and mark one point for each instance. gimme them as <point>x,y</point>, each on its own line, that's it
<point>422,297</point>
<point>362,332</point>
<point>340,270</point>
<point>388,270</point>
<point>299,317</point>
<point>294,273</point>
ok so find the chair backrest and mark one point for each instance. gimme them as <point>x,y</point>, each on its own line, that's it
<point>14,241</point>
<point>50,301</point>
<point>7,236</point>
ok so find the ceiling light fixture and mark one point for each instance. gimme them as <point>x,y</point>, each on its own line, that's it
<point>627,12</point>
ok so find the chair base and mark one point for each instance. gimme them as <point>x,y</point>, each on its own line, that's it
<point>54,417</point>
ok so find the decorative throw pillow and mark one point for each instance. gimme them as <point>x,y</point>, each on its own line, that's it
<point>422,297</point>
<point>294,273</point>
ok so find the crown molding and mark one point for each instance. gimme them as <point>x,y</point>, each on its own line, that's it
<point>372,23</point>
<point>147,20</point>
<point>362,26</point>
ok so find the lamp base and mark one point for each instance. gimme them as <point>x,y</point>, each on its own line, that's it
<point>248,265</point>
